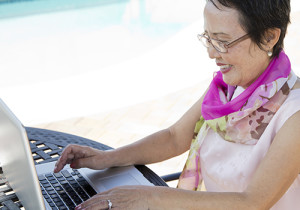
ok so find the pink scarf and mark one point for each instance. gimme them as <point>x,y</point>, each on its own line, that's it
<point>213,107</point>
<point>241,120</point>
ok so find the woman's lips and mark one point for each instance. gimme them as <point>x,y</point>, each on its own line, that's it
<point>224,68</point>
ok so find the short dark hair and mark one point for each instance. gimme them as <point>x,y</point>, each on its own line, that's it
<point>257,16</point>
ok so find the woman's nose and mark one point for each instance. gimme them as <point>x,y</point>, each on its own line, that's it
<point>212,52</point>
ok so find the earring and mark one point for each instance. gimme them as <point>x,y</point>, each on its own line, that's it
<point>270,53</point>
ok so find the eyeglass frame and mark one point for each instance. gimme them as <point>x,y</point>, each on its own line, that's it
<point>224,43</point>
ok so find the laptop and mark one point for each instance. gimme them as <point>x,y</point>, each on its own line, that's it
<point>37,187</point>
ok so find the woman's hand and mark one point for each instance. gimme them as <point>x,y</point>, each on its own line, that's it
<point>82,157</point>
<point>124,197</point>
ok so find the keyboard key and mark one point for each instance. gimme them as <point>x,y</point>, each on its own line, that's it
<point>83,183</point>
<point>61,179</point>
<point>76,186</point>
<point>56,200</point>
<point>90,191</point>
<point>57,175</point>
<point>72,206</point>
<point>76,171</point>
<point>65,190</point>
<point>76,199</point>
<point>51,192</point>
<point>60,192</point>
<point>41,178</point>
<point>54,196</point>
<point>83,195</point>
<point>72,193</point>
<point>69,202</point>
<point>81,179</point>
<point>70,179</point>
<point>56,185</point>
<point>44,181</point>
<point>64,195</point>
<point>46,185</point>
<point>51,178</point>
<point>49,188</point>
<point>85,198</point>
<point>68,188</point>
<point>54,181</point>
<point>72,182</point>
<point>63,182</point>
<point>58,188</point>
<point>66,173</point>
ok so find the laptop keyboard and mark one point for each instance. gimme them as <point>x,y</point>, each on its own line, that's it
<point>66,189</point>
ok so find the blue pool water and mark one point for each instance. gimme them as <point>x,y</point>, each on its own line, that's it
<point>66,58</point>
<point>14,8</point>
<point>55,38</point>
<point>87,14</point>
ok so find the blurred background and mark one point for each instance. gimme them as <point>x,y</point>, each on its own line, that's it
<point>63,58</point>
<point>67,58</point>
<point>94,67</point>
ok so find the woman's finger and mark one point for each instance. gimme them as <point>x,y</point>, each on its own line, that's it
<point>66,157</point>
<point>62,160</point>
<point>96,202</point>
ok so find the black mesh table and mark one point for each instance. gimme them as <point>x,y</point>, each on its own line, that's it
<point>46,146</point>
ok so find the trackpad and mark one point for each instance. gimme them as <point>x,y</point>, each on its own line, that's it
<point>117,180</point>
<point>109,178</point>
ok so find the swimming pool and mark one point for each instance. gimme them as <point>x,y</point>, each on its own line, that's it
<point>85,59</point>
<point>54,38</point>
<point>17,8</point>
<point>55,50</point>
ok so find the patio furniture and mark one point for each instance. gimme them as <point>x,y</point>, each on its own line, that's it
<point>46,146</point>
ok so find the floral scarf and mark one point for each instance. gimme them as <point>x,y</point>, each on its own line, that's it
<point>242,119</point>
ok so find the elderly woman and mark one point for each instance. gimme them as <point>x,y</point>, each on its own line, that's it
<point>246,146</point>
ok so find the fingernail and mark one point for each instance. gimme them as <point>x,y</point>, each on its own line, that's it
<point>72,165</point>
<point>78,207</point>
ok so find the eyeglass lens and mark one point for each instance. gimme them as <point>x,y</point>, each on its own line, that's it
<point>206,41</point>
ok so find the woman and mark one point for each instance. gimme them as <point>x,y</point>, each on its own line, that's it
<point>246,145</point>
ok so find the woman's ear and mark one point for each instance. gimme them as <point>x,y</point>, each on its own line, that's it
<point>272,37</point>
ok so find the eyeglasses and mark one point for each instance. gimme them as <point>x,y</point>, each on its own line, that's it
<point>220,46</point>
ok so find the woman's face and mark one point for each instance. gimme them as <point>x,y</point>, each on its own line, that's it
<point>245,61</point>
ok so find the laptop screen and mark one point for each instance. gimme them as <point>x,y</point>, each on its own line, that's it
<point>16,159</point>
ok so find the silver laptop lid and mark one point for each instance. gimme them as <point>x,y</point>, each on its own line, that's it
<point>16,160</point>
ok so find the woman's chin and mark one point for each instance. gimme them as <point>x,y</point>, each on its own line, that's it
<point>229,80</point>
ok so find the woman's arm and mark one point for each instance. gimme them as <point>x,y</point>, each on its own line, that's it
<point>273,177</point>
<point>162,145</point>
<point>157,147</point>
<point>275,174</point>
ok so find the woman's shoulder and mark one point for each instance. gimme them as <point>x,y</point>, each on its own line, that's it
<point>293,98</point>
<point>290,107</point>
